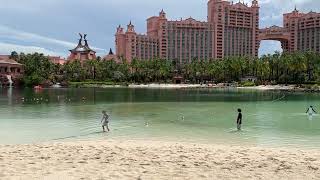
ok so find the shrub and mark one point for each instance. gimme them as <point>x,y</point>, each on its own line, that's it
<point>248,84</point>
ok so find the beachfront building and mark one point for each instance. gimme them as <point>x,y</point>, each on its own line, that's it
<point>82,52</point>
<point>304,31</point>
<point>10,70</point>
<point>236,28</point>
<point>111,56</point>
<point>131,45</point>
<point>57,60</point>
<point>231,30</point>
<point>300,32</point>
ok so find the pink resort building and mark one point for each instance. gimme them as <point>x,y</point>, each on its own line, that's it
<point>303,30</point>
<point>10,70</point>
<point>9,66</point>
<point>82,52</point>
<point>300,32</point>
<point>57,60</point>
<point>231,29</point>
<point>111,56</point>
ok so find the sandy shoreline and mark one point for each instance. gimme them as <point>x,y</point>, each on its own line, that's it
<point>112,159</point>
<point>166,86</point>
<point>222,85</point>
<point>273,87</point>
<point>197,86</point>
<point>279,87</point>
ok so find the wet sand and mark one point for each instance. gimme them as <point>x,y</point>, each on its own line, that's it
<point>137,159</point>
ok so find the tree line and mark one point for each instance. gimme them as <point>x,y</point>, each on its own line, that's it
<point>277,68</point>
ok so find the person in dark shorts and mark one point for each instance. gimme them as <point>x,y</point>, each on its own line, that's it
<point>239,120</point>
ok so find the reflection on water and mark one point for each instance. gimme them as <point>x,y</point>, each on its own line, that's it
<point>9,92</point>
<point>138,95</point>
<point>205,115</point>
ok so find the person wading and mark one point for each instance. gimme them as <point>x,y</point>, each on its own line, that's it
<point>105,121</point>
<point>239,120</point>
<point>311,111</point>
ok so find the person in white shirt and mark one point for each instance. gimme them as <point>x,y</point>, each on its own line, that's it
<point>310,111</point>
<point>105,121</point>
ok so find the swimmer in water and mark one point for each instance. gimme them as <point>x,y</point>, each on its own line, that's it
<point>310,111</point>
<point>182,117</point>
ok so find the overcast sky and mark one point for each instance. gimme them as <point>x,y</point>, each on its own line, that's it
<point>52,26</point>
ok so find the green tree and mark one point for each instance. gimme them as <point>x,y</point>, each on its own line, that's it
<point>37,69</point>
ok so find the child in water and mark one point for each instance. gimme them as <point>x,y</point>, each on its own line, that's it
<point>105,121</point>
<point>239,120</point>
<point>310,111</point>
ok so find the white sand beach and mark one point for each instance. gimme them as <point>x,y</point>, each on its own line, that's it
<point>166,86</point>
<point>271,87</point>
<point>221,85</point>
<point>111,159</point>
<point>192,86</point>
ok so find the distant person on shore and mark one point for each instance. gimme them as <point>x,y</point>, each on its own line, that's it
<point>105,121</point>
<point>310,111</point>
<point>239,120</point>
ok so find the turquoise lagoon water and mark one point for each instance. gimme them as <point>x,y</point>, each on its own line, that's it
<point>274,119</point>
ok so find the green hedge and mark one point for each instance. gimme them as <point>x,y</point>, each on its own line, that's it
<point>248,84</point>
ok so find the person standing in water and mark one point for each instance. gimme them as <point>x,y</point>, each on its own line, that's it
<point>310,111</point>
<point>239,120</point>
<point>105,121</point>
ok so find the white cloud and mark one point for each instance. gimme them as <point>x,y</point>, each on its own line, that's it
<point>269,47</point>
<point>55,18</point>
<point>7,32</point>
<point>32,6</point>
<point>7,48</point>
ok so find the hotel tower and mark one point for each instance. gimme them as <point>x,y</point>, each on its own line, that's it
<point>232,29</point>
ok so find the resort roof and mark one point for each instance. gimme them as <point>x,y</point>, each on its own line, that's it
<point>82,48</point>
<point>110,52</point>
<point>8,61</point>
<point>240,5</point>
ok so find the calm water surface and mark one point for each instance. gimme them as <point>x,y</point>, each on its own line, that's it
<point>275,119</point>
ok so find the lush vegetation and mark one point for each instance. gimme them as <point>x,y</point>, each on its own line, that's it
<point>295,68</point>
<point>37,68</point>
